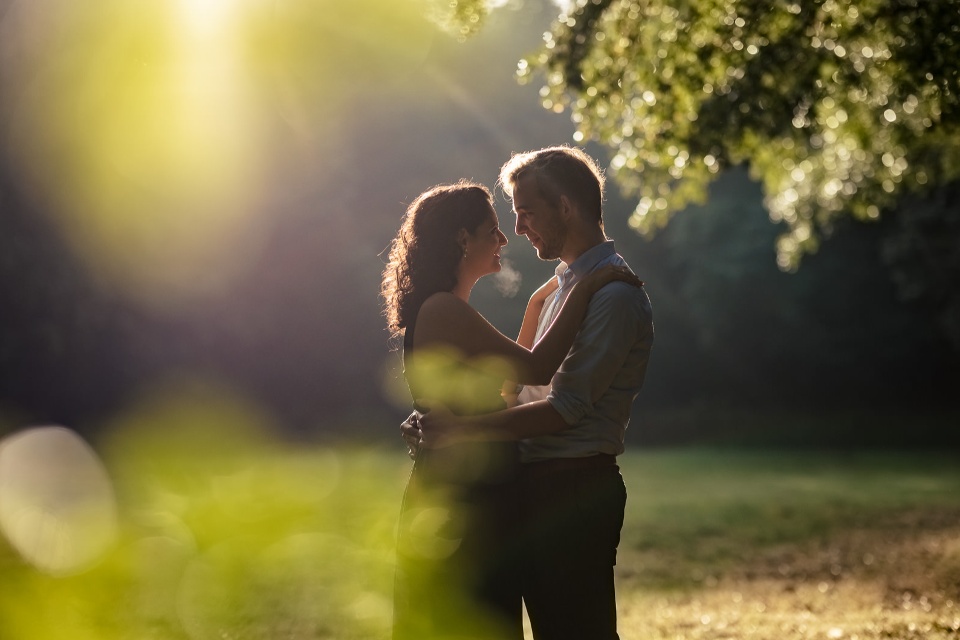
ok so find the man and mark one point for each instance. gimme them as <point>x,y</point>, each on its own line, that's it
<point>571,493</point>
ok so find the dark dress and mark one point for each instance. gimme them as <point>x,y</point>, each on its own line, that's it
<point>455,576</point>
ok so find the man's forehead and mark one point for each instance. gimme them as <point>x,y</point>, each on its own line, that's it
<point>525,189</point>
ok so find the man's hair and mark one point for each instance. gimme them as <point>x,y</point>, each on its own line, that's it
<point>559,171</point>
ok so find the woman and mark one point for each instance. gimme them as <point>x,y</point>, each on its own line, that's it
<point>454,574</point>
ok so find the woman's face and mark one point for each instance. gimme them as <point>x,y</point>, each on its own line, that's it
<point>483,247</point>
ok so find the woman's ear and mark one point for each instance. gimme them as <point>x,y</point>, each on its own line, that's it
<point>462,237</point>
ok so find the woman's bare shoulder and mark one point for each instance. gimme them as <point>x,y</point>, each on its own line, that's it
<point>444,307</point>
<point>442,301</point>
<point>446,319</point>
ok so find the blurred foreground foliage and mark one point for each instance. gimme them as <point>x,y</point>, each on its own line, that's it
<point>229,534</point>
<point>224,532</point>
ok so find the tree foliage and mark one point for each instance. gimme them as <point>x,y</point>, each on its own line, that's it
<point>838,107</point>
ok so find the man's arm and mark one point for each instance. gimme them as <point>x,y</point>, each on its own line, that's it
<point>440,428</point>
<point>611,329</point>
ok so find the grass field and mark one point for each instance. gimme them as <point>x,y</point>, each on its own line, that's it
<point>791,545</point>
<point>276,542</point>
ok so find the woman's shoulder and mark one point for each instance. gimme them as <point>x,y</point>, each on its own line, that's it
<point>444,318</point>
<point>442,302</point>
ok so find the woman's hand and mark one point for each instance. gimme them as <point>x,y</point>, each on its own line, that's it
<point>540,296</point>
<point>597,279</point>
<point>531,315</point>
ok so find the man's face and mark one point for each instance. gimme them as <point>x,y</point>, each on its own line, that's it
<point>537,219</point>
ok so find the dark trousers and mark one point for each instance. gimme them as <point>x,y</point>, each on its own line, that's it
<point>457,577</point>
<point>569,526</point>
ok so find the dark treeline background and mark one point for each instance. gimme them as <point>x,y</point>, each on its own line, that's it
<point>831,355</point>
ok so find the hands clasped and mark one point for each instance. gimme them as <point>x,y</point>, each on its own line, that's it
<point>434,429</point>
<point>410,432</point>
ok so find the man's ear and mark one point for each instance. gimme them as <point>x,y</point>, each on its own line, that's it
<point>567,210</point>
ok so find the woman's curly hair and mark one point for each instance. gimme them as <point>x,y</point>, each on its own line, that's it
<point>425,254</point>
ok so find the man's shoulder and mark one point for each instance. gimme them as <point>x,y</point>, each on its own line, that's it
<point>617,306</point>
<point>622,294</point>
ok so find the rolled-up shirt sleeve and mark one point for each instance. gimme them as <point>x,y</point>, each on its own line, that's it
<point>596,359</point>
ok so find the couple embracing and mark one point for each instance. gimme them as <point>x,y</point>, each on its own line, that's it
<point>515,498</point>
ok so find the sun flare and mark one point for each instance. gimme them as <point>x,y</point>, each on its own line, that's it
<point>207,17</point>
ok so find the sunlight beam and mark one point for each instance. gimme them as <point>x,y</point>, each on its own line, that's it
<point>204,18</point>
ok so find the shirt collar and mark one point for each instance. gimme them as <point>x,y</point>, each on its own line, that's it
<point>585,263</point>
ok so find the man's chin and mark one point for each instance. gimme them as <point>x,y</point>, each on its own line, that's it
<point>546,256</point>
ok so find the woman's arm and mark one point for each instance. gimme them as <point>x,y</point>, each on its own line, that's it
<point>531,317</point>
<point>445,320</point>
<point>528,331</point>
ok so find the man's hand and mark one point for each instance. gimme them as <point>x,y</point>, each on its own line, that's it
<point>410,432</point>
<point>439,428</point>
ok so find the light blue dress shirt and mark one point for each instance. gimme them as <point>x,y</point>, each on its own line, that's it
<point>602,374</point>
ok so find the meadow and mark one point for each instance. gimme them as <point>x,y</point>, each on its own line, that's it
<point>217,539</point>
<point>766,544</point>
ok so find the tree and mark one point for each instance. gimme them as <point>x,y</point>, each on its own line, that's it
<point>923,256</point>
<point>838,107</point>
<point>831,334</point>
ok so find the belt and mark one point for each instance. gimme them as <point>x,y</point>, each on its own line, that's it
<point>560,465</point>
